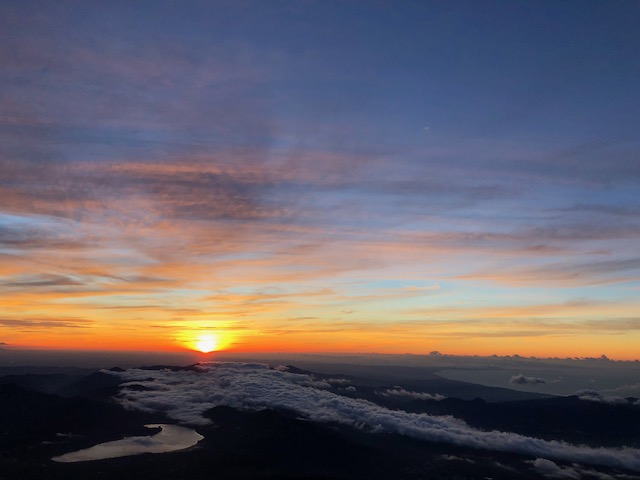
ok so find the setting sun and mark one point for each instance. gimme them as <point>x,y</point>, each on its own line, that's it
<point>203,340</point>
<point>207,343</point>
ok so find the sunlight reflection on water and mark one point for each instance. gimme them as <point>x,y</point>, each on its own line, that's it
<point>169,439</point>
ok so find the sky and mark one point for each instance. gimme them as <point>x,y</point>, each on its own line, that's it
<point>321,176</point>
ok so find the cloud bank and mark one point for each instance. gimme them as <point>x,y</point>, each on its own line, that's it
<point>185,395</point>
<point>549,469</point>
<point>594,396</point>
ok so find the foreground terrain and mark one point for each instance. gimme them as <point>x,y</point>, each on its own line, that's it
<point>284,422</point>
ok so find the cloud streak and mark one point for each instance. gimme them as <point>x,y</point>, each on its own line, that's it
<point>593,396</point>
<point>401,392</point>
<point>45,323</point>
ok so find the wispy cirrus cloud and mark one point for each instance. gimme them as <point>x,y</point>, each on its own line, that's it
<point>44,281</point>
<point>576,272</point>
<point>28,324</point>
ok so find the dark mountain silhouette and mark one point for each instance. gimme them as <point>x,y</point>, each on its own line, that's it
<point>278,444</point>
<point>31,419</point>
<point>97,385</point>
<point>45,383</point>
<point>569,418</point>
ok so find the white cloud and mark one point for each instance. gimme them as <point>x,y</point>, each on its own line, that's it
<point>401,392</point>
<point>185,395</point>
<point>593,396</point>
<point>551,470</point>
<point>338,381</point>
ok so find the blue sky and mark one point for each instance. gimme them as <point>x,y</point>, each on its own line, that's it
<point>239,166</point>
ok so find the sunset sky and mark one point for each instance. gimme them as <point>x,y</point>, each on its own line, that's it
<point>321,176</point>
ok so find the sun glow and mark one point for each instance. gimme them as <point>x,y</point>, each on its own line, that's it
<point>203,339</point>
<point>206,343</point>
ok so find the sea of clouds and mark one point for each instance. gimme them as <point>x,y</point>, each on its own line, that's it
<point>186,394</point>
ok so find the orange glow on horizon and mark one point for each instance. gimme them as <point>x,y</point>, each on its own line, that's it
<point>206,345</point>
<point>416,338</point>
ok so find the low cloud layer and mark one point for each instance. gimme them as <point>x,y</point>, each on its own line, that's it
<point>593,396</point>
<point>633,389</point>
<point>522,380</point>
<point>186,395</point>
<point>401,392</point>
<point>549,469</point>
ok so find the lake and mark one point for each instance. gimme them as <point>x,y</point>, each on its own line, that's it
<point>169,439</point>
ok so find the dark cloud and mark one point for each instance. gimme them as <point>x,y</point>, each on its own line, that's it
<point>205,190</point>
<point>42,234</point>
<point>437,192</point>
<point>38,281</point>
<point>604,210</point>
<point>46,323</point>
<point>573,272</point>
<point>79,284</point>
<point>572,231</point>
<point>584,161</point>
<point>522,380</point>
<point>605,267</point>
<point>550,239</point>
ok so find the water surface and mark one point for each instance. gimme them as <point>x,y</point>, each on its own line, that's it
<point>169,439</point>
